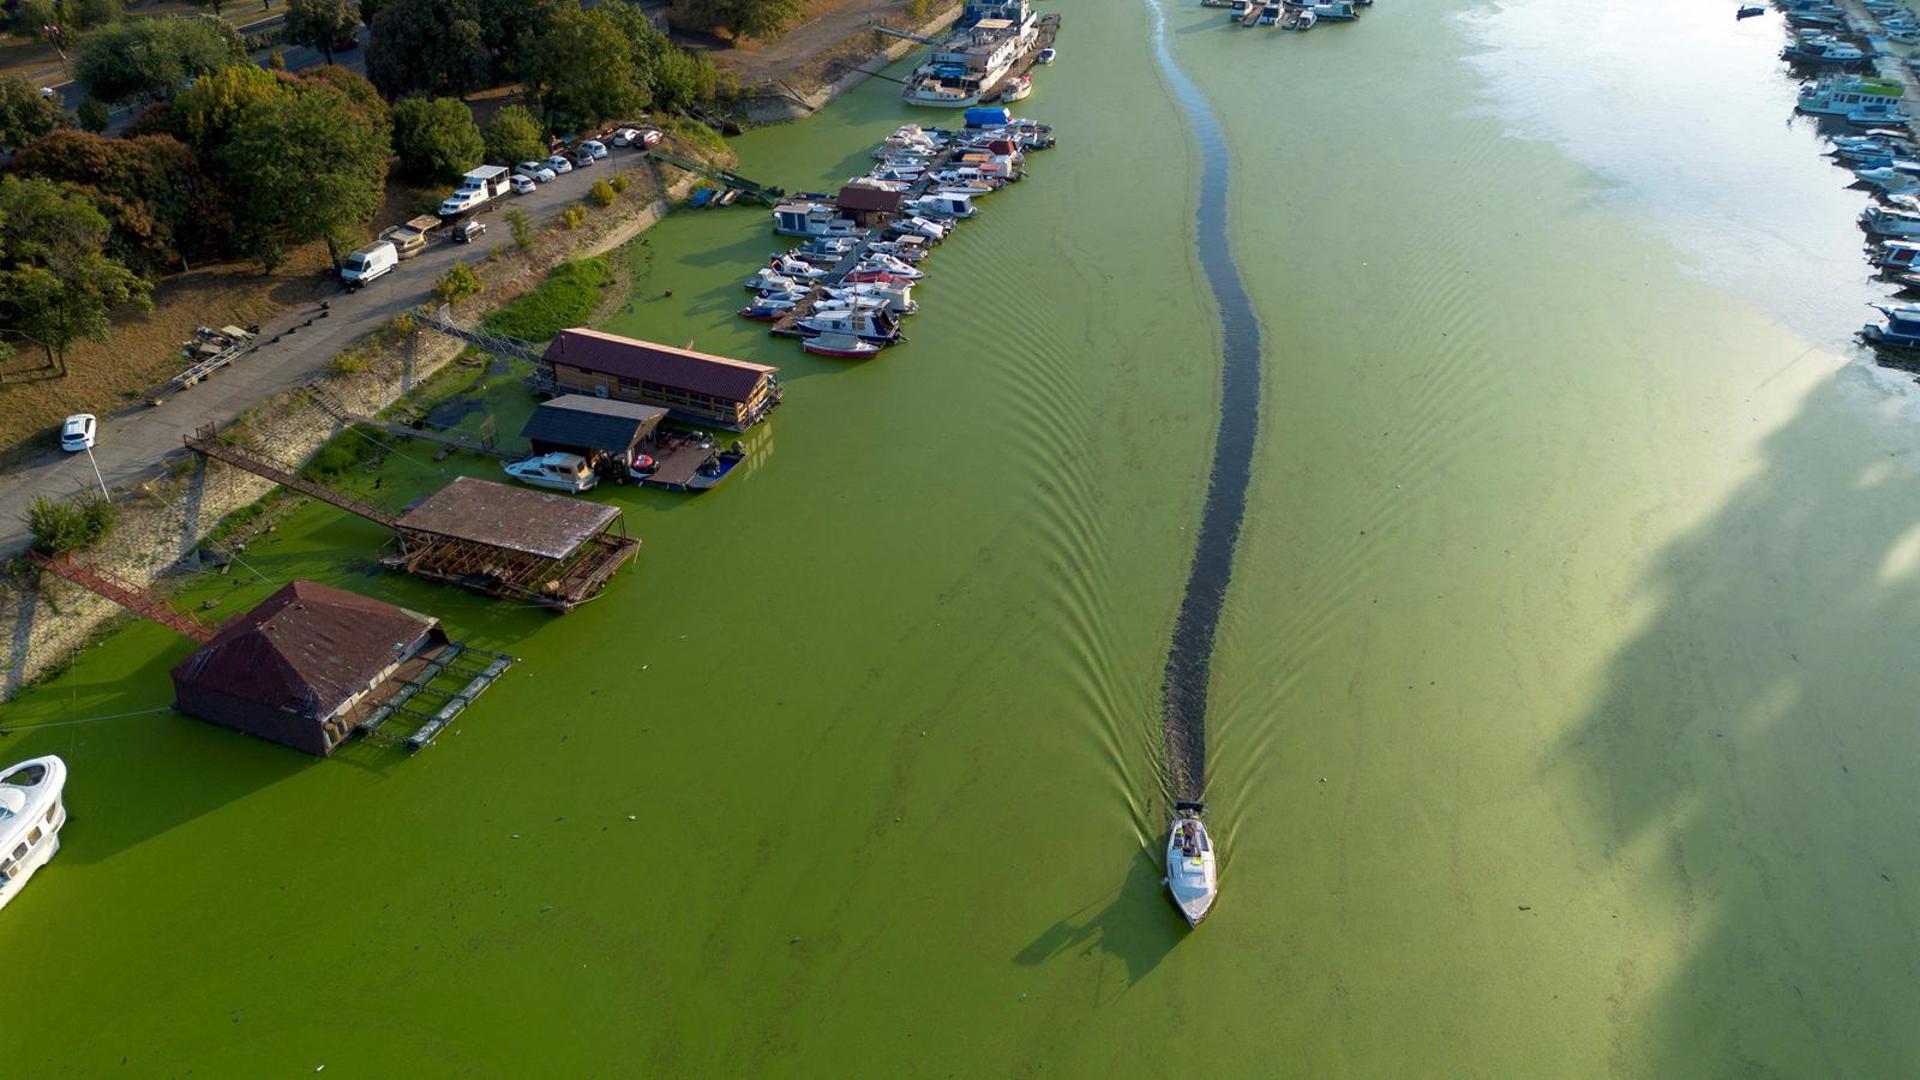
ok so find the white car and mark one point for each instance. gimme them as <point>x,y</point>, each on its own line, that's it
<point>627,137</point>
<point>595,147</point>
<point>522,185</point>
<point>76,434</point>
<point>559,164</point>
<point>534,170</point>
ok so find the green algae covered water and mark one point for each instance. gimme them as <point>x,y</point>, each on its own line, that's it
<point>1557,719</point>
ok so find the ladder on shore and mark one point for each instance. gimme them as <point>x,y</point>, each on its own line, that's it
<point>481,338</point>
<point>206,442</point>
<point>751,188</point>
<point>141,601</point>
<point>883,28</point>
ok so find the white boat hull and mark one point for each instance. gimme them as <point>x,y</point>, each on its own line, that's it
<point>1192,869</point>
<point>34,817</point>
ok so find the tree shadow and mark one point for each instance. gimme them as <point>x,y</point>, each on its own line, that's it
<point>1748,770</point>
<point>1136,924</point>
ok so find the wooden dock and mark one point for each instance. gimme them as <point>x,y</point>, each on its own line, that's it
<point>1046,33</point>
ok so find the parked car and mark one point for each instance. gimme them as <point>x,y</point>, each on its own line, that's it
<point>49,93</point>
<point>370,262</point>
<point>627,137</point>
<point>582,157</point>
<point>469,231</point>
<point>650,137</point>
<point>595,147</point>
<point>76,434</point>
<point>522,185</point>
<point>534,170</point>
<point>559,164</point>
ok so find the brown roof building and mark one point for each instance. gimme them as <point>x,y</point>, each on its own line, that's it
<point>712,391</point>
<point>869,206</point>
<point>304,667</point>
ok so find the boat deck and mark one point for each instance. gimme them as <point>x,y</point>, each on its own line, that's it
<point>1046,32</point>
<point>677,464</point>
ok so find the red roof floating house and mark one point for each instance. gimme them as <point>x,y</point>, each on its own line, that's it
<point>712,391</point>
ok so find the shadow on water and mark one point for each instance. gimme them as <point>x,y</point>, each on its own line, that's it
<point>1748,770</point>
<point>1136,924</point>
<point>1190,659</point>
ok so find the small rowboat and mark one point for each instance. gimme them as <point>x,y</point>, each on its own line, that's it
<point>844,345</point>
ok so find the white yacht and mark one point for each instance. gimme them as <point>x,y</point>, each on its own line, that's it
<point>964,65</point>
<point>31,815</point>
<point>562,472</point>
<point>1849,95</point>
<point>1192,876</point>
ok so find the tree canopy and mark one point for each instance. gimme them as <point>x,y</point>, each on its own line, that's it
<point>514,135</point>
<point>24,114</point>
<point>319,24</point>
<point>205,113</point>
<point>57,285</point>
<point>155,58</point>
<point>303,166</point>
<point>588,68</point>
<point>158,201</point>
<point>435,138</point>
<point>428,46</point>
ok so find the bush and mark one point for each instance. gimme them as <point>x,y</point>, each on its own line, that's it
<point>522,226</point>
<point>60,527</point>
<point>351,447</point>
<point>435,138</point>
<point>601,193</point>
<point>458,283</point>
<point>620,182</point>
<point>93,115</point>
<point>277,60</point>
<point>573,217</point>
<point>513,135</point>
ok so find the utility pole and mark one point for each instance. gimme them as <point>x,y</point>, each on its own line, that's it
<point>96,475</point>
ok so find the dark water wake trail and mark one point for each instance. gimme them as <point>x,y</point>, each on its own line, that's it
<point>1190,659</point>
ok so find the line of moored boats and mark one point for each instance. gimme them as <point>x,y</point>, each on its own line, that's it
<point>845,289</point>
<point>1869,133</point>
<point>1290,14</point>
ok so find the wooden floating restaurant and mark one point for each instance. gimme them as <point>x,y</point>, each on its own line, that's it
<point>694,387</point>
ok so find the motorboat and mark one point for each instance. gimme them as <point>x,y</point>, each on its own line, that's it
<point>841,345</point>
<point>1888,181</point>
<point>874,326</point>
<point>896,298</point>
<point>938,205</point>
<point>912,249</point>
<point>875,260</point>
<point>1299,19</point>
<point>561,472</point>
<point>1238,10</point>
<point>1898,224</point>
<point>812,219</point>
<point>1192,870</point>
<point>1845,95</point>
<point>1748,11</point>
<point>768,278</point>
<point>1270,13</point>
<point>1047,56</point>
<point>1017,88</point>
<point>1891,255</point>
<point>919,226</point>
<point>1900,331</point>
<point>1335,11</point>
<point>765,312</point>
<point>31,817</point>
<point>796,268</point>
<point>835,246</point>
<point>1823,49</point>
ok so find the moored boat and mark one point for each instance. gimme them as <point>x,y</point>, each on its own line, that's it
<point>841,345</point>
<point>1192,876</point>
<point>1017,88</point>
<point>561,472</point>
<point>31,817</point>
<point>1900,331</point>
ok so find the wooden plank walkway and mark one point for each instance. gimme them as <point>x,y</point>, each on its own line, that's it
<point>206,442</point>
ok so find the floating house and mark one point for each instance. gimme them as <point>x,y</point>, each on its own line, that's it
<point>871,207</point>
<point>307,666</point>
<point>595,428</point>
<point>544,549</point>
<point>695,387</point>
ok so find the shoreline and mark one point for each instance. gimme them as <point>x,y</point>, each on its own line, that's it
<point>783,108</point>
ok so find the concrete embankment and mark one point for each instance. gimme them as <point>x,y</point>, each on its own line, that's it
<point>780,103</point>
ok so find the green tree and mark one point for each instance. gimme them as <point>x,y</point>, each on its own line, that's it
<point>683,80</point>
<point>31,17</point>
<point>156,196</point>
<point>428,46</point>
<point>320,23</point>
<point>435,138</point>
<point>585,69</point>
<point>212,5</point>
<point>57,284</point>
<point>514,135</point>
<point>206,112</point>
<point>93,116</point>
<point>521,223</point>
<point>601,193</point>
<point>301,167</point>
<point>458,283</point>
<point>358,94</point>
<point>24,114</point>
<point>155,58</point>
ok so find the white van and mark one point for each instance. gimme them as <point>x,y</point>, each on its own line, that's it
<point>368,263</point>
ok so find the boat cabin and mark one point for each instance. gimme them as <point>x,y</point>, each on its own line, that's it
<point>812,219</point>
<point>607,433</point>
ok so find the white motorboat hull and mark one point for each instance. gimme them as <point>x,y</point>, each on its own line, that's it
<point>1192,869</point>
<point>33,811</point>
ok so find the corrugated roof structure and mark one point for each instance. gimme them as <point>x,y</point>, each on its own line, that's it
<point>530,522</point>
<point>287,669</point>
<point>865,199</point>
<point>591,423</point>
<point>663,365</point>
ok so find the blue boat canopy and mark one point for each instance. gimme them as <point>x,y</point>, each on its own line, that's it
<point>985,117</point>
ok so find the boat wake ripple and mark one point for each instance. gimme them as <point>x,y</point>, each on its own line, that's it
<point>1190,659</point>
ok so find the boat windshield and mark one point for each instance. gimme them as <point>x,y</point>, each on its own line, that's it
<point>5,813</point>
